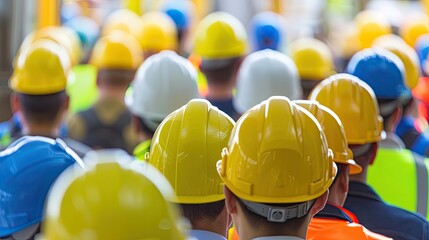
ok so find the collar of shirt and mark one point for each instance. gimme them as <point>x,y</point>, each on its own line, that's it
<point>392,141</point>
<point>336,212</point>
<point>279,238</point>
<point>205,235</point>
<point>358,189</point>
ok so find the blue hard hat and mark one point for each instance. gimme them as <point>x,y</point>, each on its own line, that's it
<point>86,28</point>
<point>266,31</point>
<point>180,12</point>
<point>28,168</point>
<point>382,70</point>
<point>69,11</point>
<point>422,49</point>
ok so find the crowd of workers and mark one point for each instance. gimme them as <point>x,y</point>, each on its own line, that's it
<point>142,140</point>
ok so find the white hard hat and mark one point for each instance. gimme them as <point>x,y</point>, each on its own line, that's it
<point>163,83</point>
<point>264,74</point>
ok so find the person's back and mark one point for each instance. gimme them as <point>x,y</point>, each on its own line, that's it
<point>107,124</point>
<point>372,212</point>
<point>220,41</point>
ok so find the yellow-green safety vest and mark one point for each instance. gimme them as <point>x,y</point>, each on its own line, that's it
<point>400,177</point>
<point>141,149</point>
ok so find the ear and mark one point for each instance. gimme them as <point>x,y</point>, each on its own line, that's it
<point>397,115</point>
<point>344,183</point>
<point>373,153</point>
<point>319,204</point>
<point>66,103</point>
<point>15,105</point>
<point>230,201</point>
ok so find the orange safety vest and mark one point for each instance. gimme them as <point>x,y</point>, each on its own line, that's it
<point>335,222</point>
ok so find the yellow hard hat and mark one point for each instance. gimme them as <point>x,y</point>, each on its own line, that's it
<point>407,54</point>
<point>220,35</point>
<point>111,199</point>
<point>41,68</point>
<point>414,27</point>
<point>277,153</point>
<point>186,147</point>
<point>334,131</point>
<point>63,36</point>
<point>118,50</point>
<point>124,20</point>
<point>371,25</point>
<point>313,58</point>
<point>355,104</point>
<point>158,32</point>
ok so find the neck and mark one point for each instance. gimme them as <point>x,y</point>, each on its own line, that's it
<point>217,92</point>
<point>250,232</point>
<point>218,226</point>
<point>45,130</point>
<point>107,93</point>
<point>361,177</point>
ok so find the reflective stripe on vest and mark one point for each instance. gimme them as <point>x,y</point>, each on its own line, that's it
<point>401,179</point>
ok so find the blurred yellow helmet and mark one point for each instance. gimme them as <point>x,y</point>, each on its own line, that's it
<point>407,54</point>
<point>118,50</point>
<point>277,153</point>
<point>313,58</point>
<point>111,199</point>
<point>371,25</point>
<point>186,147</point>
<point>41,68</point>
<point>334,131</point>
<point>413,27</point>
<point>124,20</point>
<point>63,36</point>
<point>220,35</point>
<point>158,32</point>
<point>355,104</point>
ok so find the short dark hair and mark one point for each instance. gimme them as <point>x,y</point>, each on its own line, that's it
<point>196,212</point>
<point>221,74</point>
<point>42,108</point>
<point>115,77</point>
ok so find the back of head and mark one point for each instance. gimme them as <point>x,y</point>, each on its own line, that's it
<point>106,52</point>
<point>354,102</point>
<point>220,35</point>
<point>313,59</point>
<point>163,83</point>
<point>335,134</point>
<point>270,145</point>
<point>264,74</point>
<point>267,31</point>
<point>382,70</point>
<point>28,168</point>
<point>41,68</point>
<point>371,25</point>
<point>186,147</point>
<point>133,204</point>
<point>158,32</point>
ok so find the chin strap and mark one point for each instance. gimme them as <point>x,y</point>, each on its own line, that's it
<point>279,214</point>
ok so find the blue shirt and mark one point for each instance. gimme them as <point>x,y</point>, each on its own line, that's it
<point>205,235</point>
<point>226,106</point>
<point>382,218</point>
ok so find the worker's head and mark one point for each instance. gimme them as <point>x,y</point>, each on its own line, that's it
<point>183,14</point>
<point>163,83</point>
<point>272,143</point>
<point>337,142</point>
<point>353,101</point>
<point>384,72</point>
<point>112,198</point>
<point>267,31</point>
<point>314,61</point>
<point>220,41</point>
<point>123,20</point>
<point>39,80</point>
<point>116,73</point>
<point>413,27</point>
<point>264,74</point>
<point>157,33</point>
<point>185,148</point>
<point>370,25</point>
<point>29,168</point>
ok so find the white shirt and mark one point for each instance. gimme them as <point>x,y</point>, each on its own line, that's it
<point>279,238</point>
<point>205,235</point>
